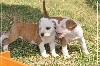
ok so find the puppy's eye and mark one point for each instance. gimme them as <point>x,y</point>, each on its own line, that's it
<point>48,28</point>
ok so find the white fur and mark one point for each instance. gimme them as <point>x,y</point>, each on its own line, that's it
<point>65,52</point>
<point>52,47</point>
<point>49,36</point>
<point>3,37</point>
<point>83,44</point>
<point>42,50</point>
<point>45,22</point>
<point>5,47</point>
<point>75,34</point>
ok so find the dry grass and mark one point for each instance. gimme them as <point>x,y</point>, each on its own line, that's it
<point>83,11</point>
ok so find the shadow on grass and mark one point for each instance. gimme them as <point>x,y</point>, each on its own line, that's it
<point>93,4</point>
<point>74,48</point>
<point>20,48</point>
<point>23,12</point>
<point>71,48</point>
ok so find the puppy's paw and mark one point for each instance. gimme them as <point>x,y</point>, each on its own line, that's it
<point>67,57</point>
<point>45,55</point>
<point>55,55</point>
<point>86,52</point>
<point>5,47</point>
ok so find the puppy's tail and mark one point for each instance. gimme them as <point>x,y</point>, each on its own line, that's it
<point>44,9</point>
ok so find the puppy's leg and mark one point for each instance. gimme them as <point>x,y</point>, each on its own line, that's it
<point>12,37</point>
<point>65,52</point>
<point>42,50</point>
<point>3,37</point>
<point>52,48</point>
<point>84,47</point>
<point>64,48</point>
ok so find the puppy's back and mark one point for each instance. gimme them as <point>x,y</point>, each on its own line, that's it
<point>29,32</point>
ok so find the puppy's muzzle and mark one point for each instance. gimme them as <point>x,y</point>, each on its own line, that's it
<point>45,34</point>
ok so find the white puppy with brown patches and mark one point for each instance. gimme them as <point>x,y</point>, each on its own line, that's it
<point>71,30</point>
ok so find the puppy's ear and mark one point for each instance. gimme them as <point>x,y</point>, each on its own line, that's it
<point>55,22</point>
<point>70,24</point>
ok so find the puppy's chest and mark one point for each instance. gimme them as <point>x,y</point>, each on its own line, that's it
<point>49,39</point>
<point>71,36</point>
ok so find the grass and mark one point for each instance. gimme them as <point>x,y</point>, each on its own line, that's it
<point>83,11</point>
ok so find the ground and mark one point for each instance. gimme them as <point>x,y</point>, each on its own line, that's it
<point>31,11</point>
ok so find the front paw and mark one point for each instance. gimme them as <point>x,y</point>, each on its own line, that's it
<point>86,52</point>
<point>45,55</point>
<point>5,47</point>
<point>55,55</point>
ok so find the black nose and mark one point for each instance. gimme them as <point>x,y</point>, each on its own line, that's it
<point>42,34</point>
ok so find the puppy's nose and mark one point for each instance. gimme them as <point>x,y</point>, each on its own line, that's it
<point>42,34</point>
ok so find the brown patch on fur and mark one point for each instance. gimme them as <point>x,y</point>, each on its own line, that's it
<point>26,31</point>
<point>70,24</point>
<point>64,42</point>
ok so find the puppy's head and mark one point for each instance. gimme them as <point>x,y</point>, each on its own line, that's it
<point>65,24</point>
<point>46,27</point>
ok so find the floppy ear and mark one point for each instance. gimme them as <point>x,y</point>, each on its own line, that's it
<point>70,24</point>
<point>55,22</point>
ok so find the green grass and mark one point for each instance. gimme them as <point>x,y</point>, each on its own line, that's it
<point>30,11</point>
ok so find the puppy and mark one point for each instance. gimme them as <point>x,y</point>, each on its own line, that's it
<point>47,33</point>
<point>68,30</point>
<point>30,33</point>
<point>71,30</point>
